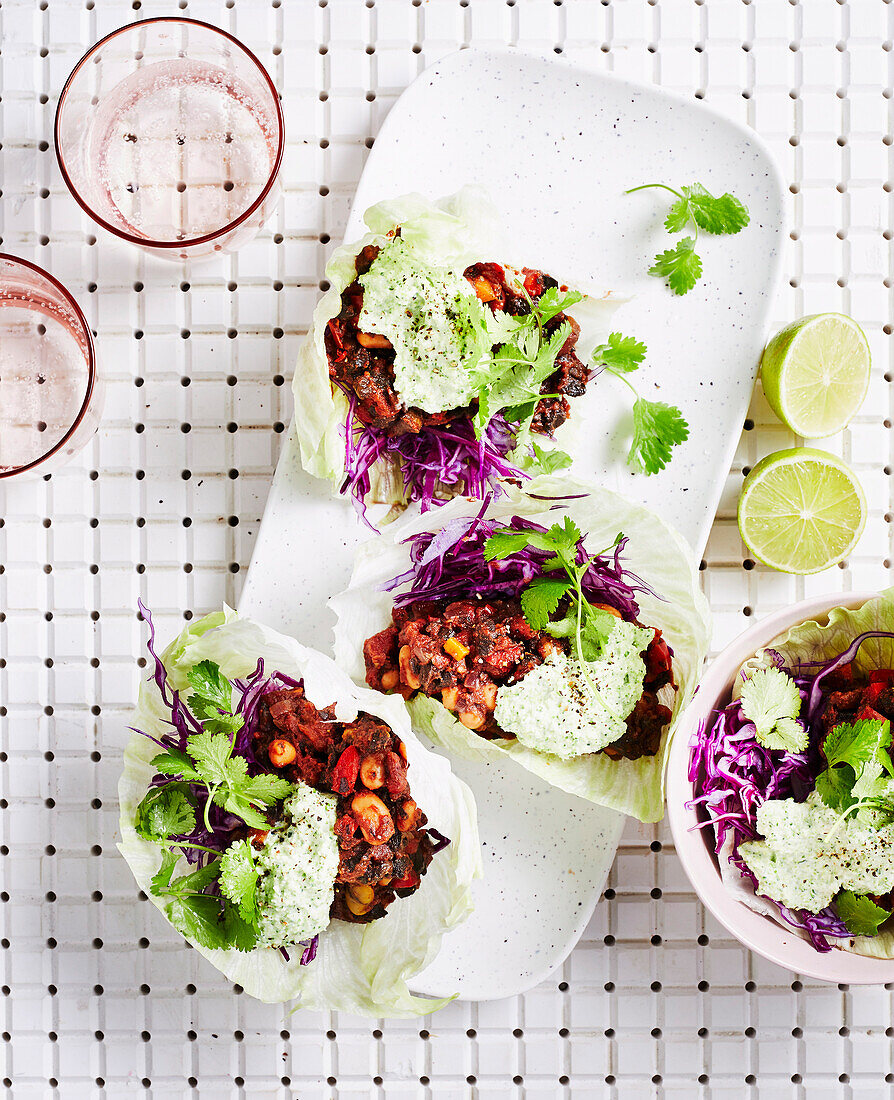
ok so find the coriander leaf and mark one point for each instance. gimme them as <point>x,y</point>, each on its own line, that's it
<point>213,692</point>
<point>265,789</point>
<point>540,600</point>
<point>834,787</point>
<point>211,752</point>
<point>620,353</point>
<point>197,880</point>
<point>199,918</point>
<point>239,878</point>
<point>503,543</point>
<point>543,460</point>
<point>680,265</point>
<point>554,301</point>
<point>679,215</point>
<point>723,214</point>
<point>856,743</point>
<point>240,933</point>
<point>562,537</point>
<point>161,880</point>
<point>771,700</point>
<point>657,428</point>
<point>860,913</point>
<point>852,749</point>
<point>163,813</point>
<point>595,632</point>
<point>235,803</point>
<point>175,762</point>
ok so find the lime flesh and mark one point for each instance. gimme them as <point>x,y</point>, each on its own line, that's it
<point>801,510</point>
<point>815,374</point>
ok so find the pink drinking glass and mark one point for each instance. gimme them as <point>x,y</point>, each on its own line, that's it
<point>50,393</point>
<point>169,133</point>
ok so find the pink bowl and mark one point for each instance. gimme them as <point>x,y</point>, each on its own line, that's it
<point>756,932</point>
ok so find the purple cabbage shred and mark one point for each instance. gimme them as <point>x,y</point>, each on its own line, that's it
<point>437,462</point>
<point>449,565</point>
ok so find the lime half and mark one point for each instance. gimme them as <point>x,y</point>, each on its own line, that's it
<point>816,372</point>
<point>801,510</point>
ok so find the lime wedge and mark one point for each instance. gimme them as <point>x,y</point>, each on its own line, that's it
<point>801,510</point>
<point>815,373</point>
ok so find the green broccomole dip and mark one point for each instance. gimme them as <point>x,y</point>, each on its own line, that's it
<point>553,709</point>
<point>296,869</point>
<point>810,852</point>
<point>434,321</point>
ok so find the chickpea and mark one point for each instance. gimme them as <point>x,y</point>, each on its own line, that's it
<point>355,906</point>
<point>449,697</point>
<point>372,772</point>
<point>281,753</point>
<point>409,677</point>
<point>470,720</point>
<point>406,815</point>
<point>373,817</point>
<point>372,340</point>
<point>361,892</point>
<point>390,679</point>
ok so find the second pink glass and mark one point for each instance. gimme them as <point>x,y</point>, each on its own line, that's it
<point>169,133</point>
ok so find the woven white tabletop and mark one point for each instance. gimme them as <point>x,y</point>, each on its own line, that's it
<point>99,996</point>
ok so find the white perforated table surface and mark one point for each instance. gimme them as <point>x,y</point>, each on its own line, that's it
<point>99,997</point>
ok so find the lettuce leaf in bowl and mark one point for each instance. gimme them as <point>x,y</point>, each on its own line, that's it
<point>362,968</point>
<point>810,646</point>
<point>654,551</point>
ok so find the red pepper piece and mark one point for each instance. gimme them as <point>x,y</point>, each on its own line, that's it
<point>866,713</point>
<point>882,676</point>
<point>344,774</point>
<point>872,693</point>
<point>408,883</point>
<point>534,283</point>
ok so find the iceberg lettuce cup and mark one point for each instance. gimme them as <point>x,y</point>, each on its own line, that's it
<point>780,788</point>
<point>561,626</point>
<point>289,824</point>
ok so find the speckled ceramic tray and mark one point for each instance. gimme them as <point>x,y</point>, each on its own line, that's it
<point>557,147</point>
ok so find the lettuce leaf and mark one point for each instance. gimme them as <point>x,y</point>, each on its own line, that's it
<point>655,551</point>
<point>820,640</point>
<point>358,968</point>
<point>452,232</point>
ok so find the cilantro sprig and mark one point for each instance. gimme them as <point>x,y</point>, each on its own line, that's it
<point>859,772</point>
<point>695,209</point>
<point>657,427</point>
<point>562,578</point>
<point>510,381</point>
<point>860,914</point>
<point>771,700</point>
<point>227,916</point>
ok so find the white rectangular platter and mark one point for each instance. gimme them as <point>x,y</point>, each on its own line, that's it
<point>557,147</point>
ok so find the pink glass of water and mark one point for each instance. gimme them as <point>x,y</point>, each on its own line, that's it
<point>169,133</point>
<point>50,394</point>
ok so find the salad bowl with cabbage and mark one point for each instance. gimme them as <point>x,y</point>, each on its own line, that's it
<point>792,781</point>
<point>560,626</point>
<point>289,824</point>
<point>434,367</point>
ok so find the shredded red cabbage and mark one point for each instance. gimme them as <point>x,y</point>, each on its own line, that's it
<point>449,564</point>
<point>732,774</point>
<point>438,457</point>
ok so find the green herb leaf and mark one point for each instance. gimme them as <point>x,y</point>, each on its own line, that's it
<point>212,691</point>
<point>211,753</point>
<point>723,214</point>
<point>860,913</point>
<point>657,429</point>
<point>164,812</point>
<point>543,460</point>
<point>199,918</point>
<point>771,700</point>
<point>160,882</point>
<point>540,600</point>
<point>854,752</point>
<point>554,301</point>
<point>239,878</point>
<point>621,354</point>
<point>680,265</point>
<point>595,632</point>
<point>266,790</point>
<point>503,543</point>
<point>176,763</point>
<point>240,933</point>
